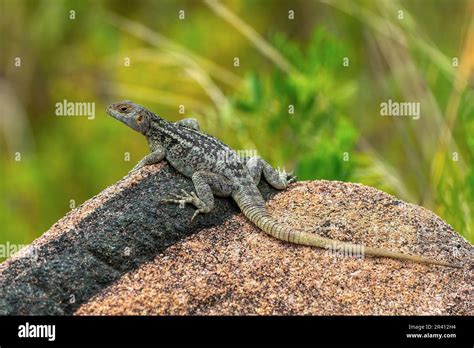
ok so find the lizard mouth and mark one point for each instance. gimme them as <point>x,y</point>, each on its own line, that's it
<point>111,111</point>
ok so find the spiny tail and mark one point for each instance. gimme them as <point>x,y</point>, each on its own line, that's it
<point>259,216</point>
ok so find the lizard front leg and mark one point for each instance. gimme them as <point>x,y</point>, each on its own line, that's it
<point>207,185</point>
<point>275,177</point>
<point>154,157</point>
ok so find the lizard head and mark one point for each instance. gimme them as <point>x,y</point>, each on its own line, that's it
<point>133,115</point>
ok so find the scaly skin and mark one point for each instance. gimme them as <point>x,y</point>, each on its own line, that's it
<point>216,169</point>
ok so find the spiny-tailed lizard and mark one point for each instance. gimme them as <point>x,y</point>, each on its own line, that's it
<point>216,169</point>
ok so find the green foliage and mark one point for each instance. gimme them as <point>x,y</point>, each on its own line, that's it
<point>330,158</point>
<point>301,112</point>
<point>335,131</point>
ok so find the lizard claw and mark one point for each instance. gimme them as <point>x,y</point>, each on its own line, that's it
<point>286,177</point>
<point>202,210</point>
<point>196,213</point>
<point>186,197</point>
<point>181,199</point>
<point>291,179</point>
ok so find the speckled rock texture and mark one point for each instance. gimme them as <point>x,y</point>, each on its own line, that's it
<point>95,244</point>
<point>123,252</point>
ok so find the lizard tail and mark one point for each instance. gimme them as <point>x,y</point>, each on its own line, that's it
<point>259,216</point>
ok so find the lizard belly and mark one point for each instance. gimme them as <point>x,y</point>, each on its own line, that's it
<point>181,165</point>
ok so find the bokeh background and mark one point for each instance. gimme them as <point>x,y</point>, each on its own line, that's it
<point>178,58</point>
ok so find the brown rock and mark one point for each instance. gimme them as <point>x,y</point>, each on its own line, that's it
<point>236,269</point>
<point>222,264</point>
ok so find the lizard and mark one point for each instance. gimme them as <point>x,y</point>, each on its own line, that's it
<point>217,170</point>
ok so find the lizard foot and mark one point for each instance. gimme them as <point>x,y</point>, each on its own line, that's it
<point>181,199</point>
<point>287,178</point>
<point>189,198</point>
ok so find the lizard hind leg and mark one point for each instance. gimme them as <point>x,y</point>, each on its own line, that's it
<point>207,185</point>
<point>277,178</point>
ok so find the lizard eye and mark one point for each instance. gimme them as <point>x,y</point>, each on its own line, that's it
<point>124,108</point>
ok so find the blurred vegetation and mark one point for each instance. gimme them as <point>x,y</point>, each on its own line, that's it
<point>290,98</point>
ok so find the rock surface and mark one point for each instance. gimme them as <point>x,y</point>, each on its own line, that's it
<point>122,252</point>
<point>96,243</point>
